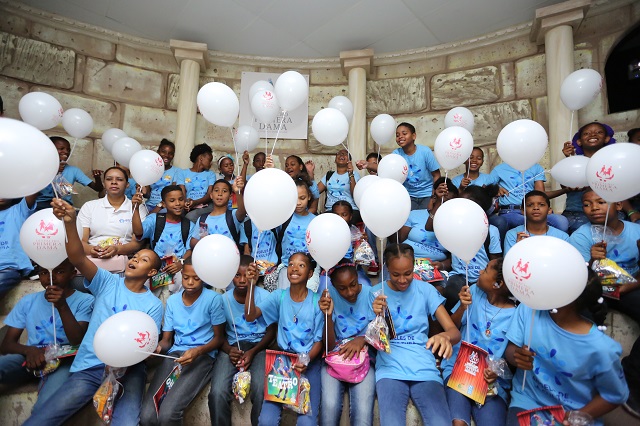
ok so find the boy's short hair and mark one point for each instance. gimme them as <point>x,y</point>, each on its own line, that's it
<point>167,189</point>
<point>225,182</point>
<point>450,186</point>
<point>259,153</point>
<point>55,139</point>
<point>536,193</point>
<point>631,133</point>
<point>167,142</point>
<point>245,260</point>
<point>374,155</point>
<point>409,126</point>
<point>156,262</point>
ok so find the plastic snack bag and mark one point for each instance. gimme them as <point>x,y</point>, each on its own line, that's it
<point>62,186</point>
<point>377,334</point>
<point>265,267</point>
<point>500,367</point>
<point>363,254</point>
<point>109,391</point>
<point>52,362</point>
<point>612,277</point>
<point>241,385</point>
<point>304,403</point>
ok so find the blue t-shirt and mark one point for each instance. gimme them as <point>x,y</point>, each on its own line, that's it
<point>266,246</point>
<point>421,163</point>
<point>33,313</point>
<point>170,241</point>
<point>512,236</point>
<point>482,180</point>
<point>112,296</point>
<point>424,243</point>
<point>294,237</point>
<point>568,369</point>
<point>131,189</point>
<point>480,260</point>
<point>482,316</point>
<point>351,319</point>
<point>155,197</point>
<point>196,183</point>
<point>11,254</point>
<point>217,225</point>
<point>410,310</point>
<point>339,188</point>
<point>234,313</point>
<point>315,191</point>
<point>511,179</point>
<point>300,334</point>
<point>574,202</point>
<point>193,325</point>
<point>72,175</point>
<point>622,249</point>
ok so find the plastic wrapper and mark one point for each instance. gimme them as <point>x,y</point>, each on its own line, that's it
<point>265,267</point>
<point>377,334</point>
<point>501,368</point>
<point>612,277</point>
<point>304,401</point>
<point>110,241</point>
<point>363,254</point>
<point>104,400</point>
<point>579,418</point>
<point>303,358</point>
<point>423,270</point>
<point>241,385</point>
<point>52,362</point>
<point>62,186</point>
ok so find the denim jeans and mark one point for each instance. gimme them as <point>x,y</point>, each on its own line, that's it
<point>361,398</point>
<point>419,203</point>
<point>9,278</point>
<point>79,389</point>
<point>576,220</point>
<point>221,395</point>
<point>428,397</point>
<point>629,304</point>
<point>492,413</point>
<point>270,414</point>
<point>512,416</point>
<point>13,373</point>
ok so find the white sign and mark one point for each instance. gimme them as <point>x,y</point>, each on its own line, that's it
<point>293,125</point>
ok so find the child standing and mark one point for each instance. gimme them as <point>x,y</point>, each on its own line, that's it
<point>340,183</point>
<point>166,151</point>
<point>296,168</point>
<point>472,175</point>
<point>196,181</point>
<point>193,331</point>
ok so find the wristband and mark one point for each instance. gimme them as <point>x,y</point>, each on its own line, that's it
<point>631,212</point>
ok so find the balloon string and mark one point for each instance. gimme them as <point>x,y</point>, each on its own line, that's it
<point>604,228</point>
<point>469,167</point>
<point>266,141</point>
<point>255,253</point>
<point>382,269</point>
<point>278,132</point>
<point>467,311</point>
<point>533,317</point>
<point>233,321</point>
<point>155,354</point>
<point>326,317</point>
<point>571,126</point>
<point>347,148</point>
<point>236,149</point>
<point>446,176</point>
<point>75,141</point>
<point>530,179</point>
<point>524,212</point>
<point>53,310</point>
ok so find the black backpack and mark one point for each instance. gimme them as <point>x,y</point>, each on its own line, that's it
<point>161,222</point>
<point>230,224</point>
<point>248,230</point>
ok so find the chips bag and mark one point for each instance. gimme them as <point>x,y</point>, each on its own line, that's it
<point>241,385</point>
<point>612,277</point>
<point>303,406</point>
<point>62,186</point>
<point>265,267</point>
<point>109,391</point>
<point>377,334</point>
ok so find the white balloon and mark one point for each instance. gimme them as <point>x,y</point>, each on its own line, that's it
<point>328,239</point>
<point>383,129</point>
<point>613,172</point>
<point>344,105</point>
<point>126,338</point>
<point>42,238</point>
<point>580,88</point>
<point>453,147</point>
<point>522,143</point>
<point>110,136</point>
<point>218,104</point>
<point>459,116</point>
<point>216,259</point>
<point>270,198</point>
<point>28,159</point>
<point>41,110</point>
<point>571,171</point>
<point>123,149</point>
<point>393,166</point>
<point>362,185</point>
<point>330,127</point>
<point>77,122</point>
<point>534,267</point>
<point>291,89</point>
<point>247,138</point>
<point>385,207</point>
<point>146,167</point>
<point>259,86</point>
<point>461,226</point>
<point>264,106</point>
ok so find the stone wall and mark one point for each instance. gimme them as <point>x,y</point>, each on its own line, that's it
<point>133,84</point>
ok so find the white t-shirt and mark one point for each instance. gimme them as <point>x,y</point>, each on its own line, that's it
<point>105,222</point>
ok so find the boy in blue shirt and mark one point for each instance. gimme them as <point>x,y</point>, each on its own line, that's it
<point>244,348</point>
<point>33,313</point>
<point>166,151</point>
<point>113,294</point>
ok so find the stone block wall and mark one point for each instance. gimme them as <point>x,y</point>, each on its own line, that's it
<point>133,84</point>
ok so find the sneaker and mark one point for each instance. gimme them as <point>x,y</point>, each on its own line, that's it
<point>373,270</point>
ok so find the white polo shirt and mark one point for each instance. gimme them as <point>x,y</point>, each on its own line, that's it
<point>105,222</point>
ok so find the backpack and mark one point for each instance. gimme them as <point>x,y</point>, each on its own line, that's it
<point>161,222</point>
<point>248,231</point>
<point>230,224</point>
<point>326,192</point>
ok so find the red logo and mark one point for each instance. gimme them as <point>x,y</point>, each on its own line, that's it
<point>405,170</point>
<point>46,230</point>
<point>521,271</point>
<point>308,237</point>
<point>456,143</point>
<point>268,96</point>
<point>457,118</point>
<point>486,220</point>
<point>159,162</point>
<point>605,174</point>
<point>143,339</point>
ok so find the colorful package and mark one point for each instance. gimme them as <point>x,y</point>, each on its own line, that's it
<point>423,270</point>
<point>377,334</point>
<point>162,279</point>
<point>109,391</point>
<point>304,402</point>
<point>281,380</point>
<point>543,416</point>
<point>241,385</point>
<point>467,376</point>
<point>612,277</point>
<point>166,386</point>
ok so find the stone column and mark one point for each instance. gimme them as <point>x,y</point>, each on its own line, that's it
<point>356,65</point>
<point>553,26</point>
<point>193,58</point>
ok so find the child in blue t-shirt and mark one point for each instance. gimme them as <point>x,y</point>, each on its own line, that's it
<point>192,333</point>
<point>33,313</point>
<point>166,151</point>
<point>296,168</point>
<point>348,313</point>
<point>570,362</point>
<point>409,370</point>
<point>472,174</point>
<point>484,314</point>
<point>243,349</point>
<point>113,294</point>
<point>300,326</point>
<point>344,210</point>
<point>196,181</point>
<point>340,184</point>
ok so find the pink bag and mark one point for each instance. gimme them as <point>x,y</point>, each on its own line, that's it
<point>352,370</point>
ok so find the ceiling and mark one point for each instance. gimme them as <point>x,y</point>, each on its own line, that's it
<point>301,28</point>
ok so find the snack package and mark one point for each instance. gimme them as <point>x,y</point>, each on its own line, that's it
<point>241,385</point>
<point>109,391</point>
<point>612,277</point>
<point>377,334</point>
<point>52,361</point>
<point>303,405</point>
<point>110,241</point>
<point>363,254</point>
<point>423,270</point>
<point>265,267</point>
<point>166,386</point>
<point>162,279</point>
<point>543,416</point>
<point>62,186</point>
<point>500,367</point>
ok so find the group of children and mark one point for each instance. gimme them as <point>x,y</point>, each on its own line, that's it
<point>213,336</point>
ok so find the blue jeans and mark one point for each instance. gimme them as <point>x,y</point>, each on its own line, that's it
<point>507,219</point>
<point>419,203</point>
<point>221,395</point>
<point>192,379</point>
<point>9,278</point>
<point>512,416</point>
<point>428,397</point>
<point>576,220</point>
<point>492,413</point>
<point>270,414</point>
<point>13,373</point>
<point>361,398</point>
<point>79,389</point>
